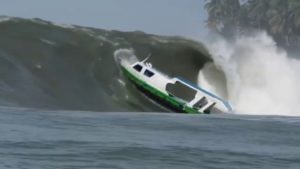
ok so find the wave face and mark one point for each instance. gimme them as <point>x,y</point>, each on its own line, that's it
<point>50,66</point>
<point>260,78</point>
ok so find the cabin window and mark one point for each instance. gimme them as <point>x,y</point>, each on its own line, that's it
<point>148,73</point>
<point>138,67</point>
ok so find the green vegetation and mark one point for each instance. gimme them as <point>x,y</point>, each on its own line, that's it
<point>280,18</point>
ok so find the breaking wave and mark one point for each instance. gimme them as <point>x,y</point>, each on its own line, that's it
<point>50,66</point>
<point>261,79</point>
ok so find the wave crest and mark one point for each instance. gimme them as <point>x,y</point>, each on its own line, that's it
<point>260,78</point>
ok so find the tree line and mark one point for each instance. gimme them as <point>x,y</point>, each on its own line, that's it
<point>280,18</point>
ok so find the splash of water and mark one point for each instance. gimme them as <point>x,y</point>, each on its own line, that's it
<point>260,78</point>
<point>125,55</point>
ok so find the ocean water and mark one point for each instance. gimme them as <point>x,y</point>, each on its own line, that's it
<point>47,66</point>
<point>75,139</point>
<point>53,68</point>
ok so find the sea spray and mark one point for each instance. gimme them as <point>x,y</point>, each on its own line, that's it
<point>260,78</point>
<point>125,55</point>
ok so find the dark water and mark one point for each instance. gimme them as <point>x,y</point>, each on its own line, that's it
<point>44,139</point>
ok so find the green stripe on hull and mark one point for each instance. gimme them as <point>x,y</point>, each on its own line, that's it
<point>172,101</point>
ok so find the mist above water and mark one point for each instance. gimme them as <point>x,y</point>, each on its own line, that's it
<point>260,78</point>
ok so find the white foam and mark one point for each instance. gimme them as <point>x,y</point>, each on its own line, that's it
<point>159,39</point>
<point>122,82</point>
<point>87,31</point>
<point>49,42</point>
<point>40,21</point>
<point>66,26</point>
<point>5,18</point>
<point>125,55</point>
<point>261,79</point>
<point>105,39</point>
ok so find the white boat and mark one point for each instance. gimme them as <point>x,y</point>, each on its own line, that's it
<point>176,93</point>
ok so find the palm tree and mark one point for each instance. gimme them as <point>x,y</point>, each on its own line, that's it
<point>215,10</point>
<point>233,15</point>
<point>223,15</point>
<point>280,18</point>
<point>294,16</point>
<point>280,21</point>
<point>257,12</point>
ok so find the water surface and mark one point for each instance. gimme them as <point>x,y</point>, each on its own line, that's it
<point>72,139</point>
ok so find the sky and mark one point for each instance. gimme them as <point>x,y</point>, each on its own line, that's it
<point>164,17</point>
